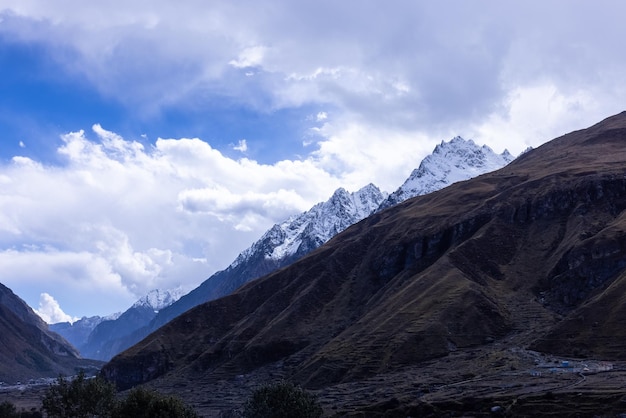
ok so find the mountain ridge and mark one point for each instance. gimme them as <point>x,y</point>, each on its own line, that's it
<point>298,235</point>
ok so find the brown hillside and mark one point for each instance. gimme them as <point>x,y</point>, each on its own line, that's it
<point>28,350</point>
<point>531,254</point>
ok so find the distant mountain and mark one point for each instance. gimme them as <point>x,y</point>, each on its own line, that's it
<point>469,281</point>
<point>102,338</point>
<point>76,332</point>
<point>450,162</point>
<point>28,349</point>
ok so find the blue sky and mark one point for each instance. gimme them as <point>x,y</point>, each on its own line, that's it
<point>40,101</point>
<point>145,144</point>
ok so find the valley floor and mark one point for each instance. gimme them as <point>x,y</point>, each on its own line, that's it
<point>487,381</point>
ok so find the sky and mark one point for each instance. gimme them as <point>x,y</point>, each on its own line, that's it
<point>144,144</point>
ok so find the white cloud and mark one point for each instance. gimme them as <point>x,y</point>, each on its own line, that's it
<point>243,210</point>
<point>242,146</point>
<point>50,311</point>
<point>249,57</point>
<point>537,113</point>
<point>119,219</point>
<point>359,155</point>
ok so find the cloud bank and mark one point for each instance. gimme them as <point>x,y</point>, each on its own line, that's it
<point>117,219</point>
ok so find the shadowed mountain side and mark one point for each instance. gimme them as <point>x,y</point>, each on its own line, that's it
<point>28,350</point>
<point>508,254</point>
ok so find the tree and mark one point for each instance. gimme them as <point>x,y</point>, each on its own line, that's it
<point>82,397</point>
<point>79,397</point>
<point>281,400</point>
<point>144,403</point>
<point>7,410</point>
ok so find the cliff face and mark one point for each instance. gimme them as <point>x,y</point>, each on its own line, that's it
<point>521,254</point>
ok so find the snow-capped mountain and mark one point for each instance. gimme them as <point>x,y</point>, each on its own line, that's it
<point>102,337</point>
<point>302,233</point>
<point>281,245</point>
<point>450,162</point>
<point>77,332</point>
<point>158,299</point>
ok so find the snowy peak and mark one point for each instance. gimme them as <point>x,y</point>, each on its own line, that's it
<point>159,299</point>
<point>302,233</point>
<point>450,162</point>
<point>311,229</point>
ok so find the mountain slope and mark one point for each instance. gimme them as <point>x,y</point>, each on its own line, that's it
<point>280,246</point>
<point>290,240</point>
<point>512,256</point>
<point>28,350</point>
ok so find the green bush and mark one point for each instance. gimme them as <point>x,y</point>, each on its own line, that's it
<point>95,397</point>
<point>80,397</point>
<point>281,400</point>
<point>143,403</point>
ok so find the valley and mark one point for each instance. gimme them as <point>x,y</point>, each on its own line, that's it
<point>501,295</point>
<point>486,381</point>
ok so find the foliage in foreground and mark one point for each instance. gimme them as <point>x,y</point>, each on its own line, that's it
<point>143,403</point>
<point>8,410</point>
<point>79,397</point>
<point>84,397</point>
<point>281,400</point>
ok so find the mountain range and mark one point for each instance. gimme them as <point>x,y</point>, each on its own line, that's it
<point>101,338</point>
<point>465,291</point>
<point>285,243</point>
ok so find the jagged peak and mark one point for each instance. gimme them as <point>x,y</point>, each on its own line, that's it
<point>369,188</point>
<point>340,191</point>
<point>452,161</point>
<point>158,299</point>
